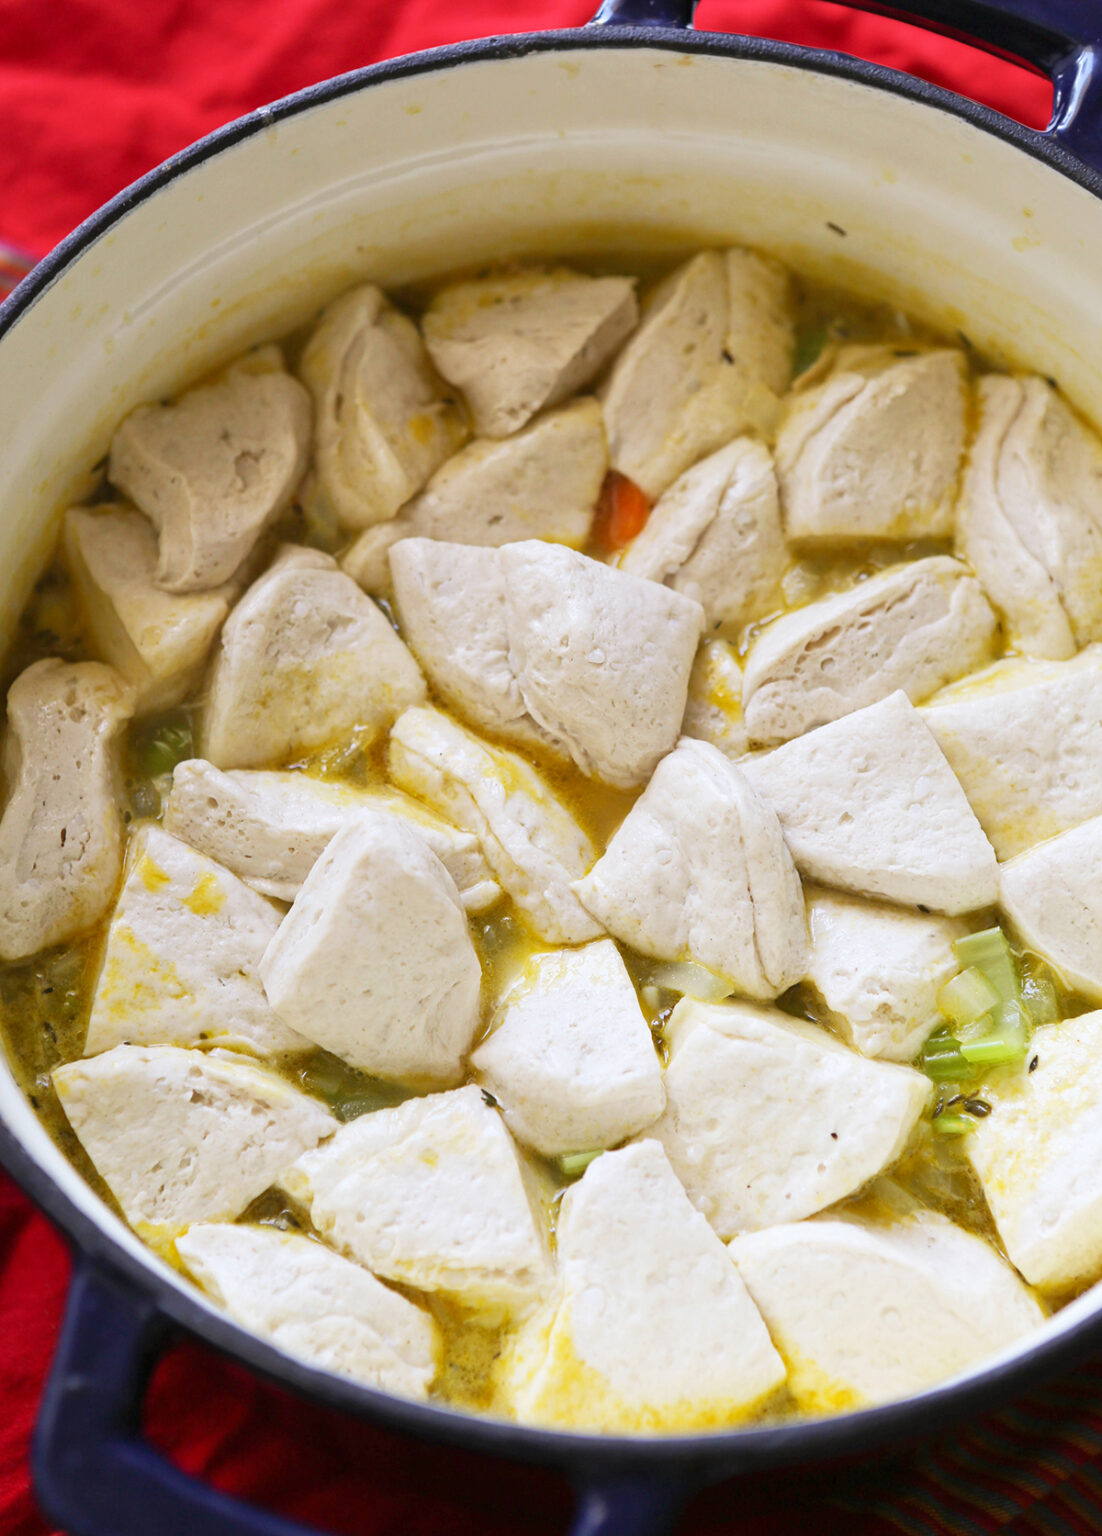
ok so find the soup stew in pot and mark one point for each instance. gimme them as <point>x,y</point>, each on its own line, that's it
<point>552,839</point>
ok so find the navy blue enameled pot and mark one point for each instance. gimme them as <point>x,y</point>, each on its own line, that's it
<point>634,132</point>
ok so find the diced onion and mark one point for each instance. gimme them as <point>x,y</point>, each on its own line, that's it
<point>1041,1000</point>
<point>967,996</point>
<point>691,981</point>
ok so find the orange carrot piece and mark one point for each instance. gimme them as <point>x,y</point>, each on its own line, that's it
<point>622,512</point>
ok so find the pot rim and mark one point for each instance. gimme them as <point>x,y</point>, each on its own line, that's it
<point>728,1450</point>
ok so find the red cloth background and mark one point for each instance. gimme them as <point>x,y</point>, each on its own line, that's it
<point>92,94</point>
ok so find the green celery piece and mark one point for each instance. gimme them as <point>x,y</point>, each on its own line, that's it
<point>953,1125</point>
<point>809,345</point>
<point>352,1107</point>
<point>571,1164</point>
<point>993,1050</point>
<point>990,953</point>
<point>1007,1041</point>
<point>942,1060</point>
<point>348,1092</point>
<point>158,749</point>
<point>967,996</point>
<point>942,1036</point>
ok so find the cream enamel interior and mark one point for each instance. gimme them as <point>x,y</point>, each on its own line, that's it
<point>587,150</point>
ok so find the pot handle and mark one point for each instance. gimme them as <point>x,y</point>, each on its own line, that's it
<point>1061,38</point>
<point>632,1502</point>
<point>94,1473</point>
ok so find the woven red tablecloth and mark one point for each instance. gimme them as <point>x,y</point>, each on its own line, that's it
<point>93,93</point>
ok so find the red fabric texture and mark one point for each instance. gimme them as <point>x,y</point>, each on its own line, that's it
<point>92,94</point>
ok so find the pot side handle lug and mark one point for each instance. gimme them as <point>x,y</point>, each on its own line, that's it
<point>94,1473</point>
<point>1061,38</point>
<point>674,14</point>
<point>632,1501</point>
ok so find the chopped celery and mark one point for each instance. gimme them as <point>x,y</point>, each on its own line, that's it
<point>986,1004</point>
<point>809,345</point>
<point>953,1125</point>
<point>571,1164</point>
<point>979,1028</point>
<point>348,1092</point>
<point>967,996</point>
<point>942,1059</point>
<point>157,746</point>
<point>994,1050</point>
<point>990,953</point>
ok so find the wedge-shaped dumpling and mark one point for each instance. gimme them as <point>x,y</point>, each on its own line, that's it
<point>868,803</point>
<point>716,535</point>
<point>879,970</point>
<point>916,627</point>
<point>603,658</point>
<point>1037,1155</point>
<point>1052,895</point>
<point>384,420</point>
<point>1050,476</point>
<point>374,961</point>
<point>654,1329</point>
<point>1025,740</point>
<point>865,1311</point>
<point>540,643</point>
<point>211,470</point>
<point>569,1057</point>
<point>543,483</point>
<point>61,834</point>
<point>180,1136</point>
<point>159,641</point>
<point>530,840</point>
<point>304,659</point>
<point>431,1194</point>
<point>312,1303</point>
<point>518,342</point>
<point>1030,518</point>
<point>709,361</point>
<point>699,870</point>
<point>874,451</point>
<point>451,602</point>
<point>988,538</point>
<point>270,828</point>
<point>770,1119</point>
<point>181,962</point>
<point>713,710</point>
